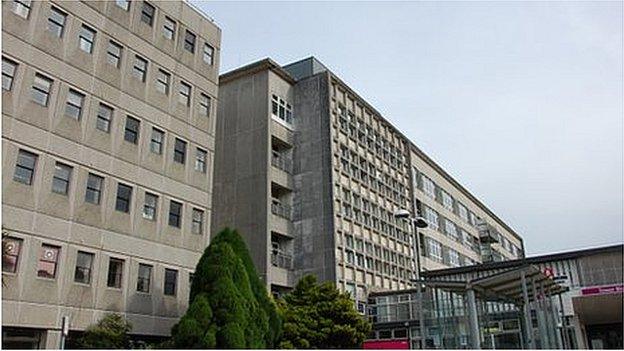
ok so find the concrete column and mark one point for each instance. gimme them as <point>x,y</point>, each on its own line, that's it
<point>564,330</point>
<point>473,319</point>
<point>421,317</point>
<point>528,333</point>
<point>541,319</point>
<point>556,337</point>
<point>53,339</point>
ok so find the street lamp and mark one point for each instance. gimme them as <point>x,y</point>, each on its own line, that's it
<point>418,222</point>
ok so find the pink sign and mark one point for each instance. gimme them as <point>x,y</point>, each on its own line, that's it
<point>601,290</point>
<point>397,344</point>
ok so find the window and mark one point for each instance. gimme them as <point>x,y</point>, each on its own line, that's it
<point>131,133</point>
<point>144,278</point>
<point>447,200</point>
<point>104,117</point>
<point>8,73</point>
<point>150,207</point>
<point>86,39</point>
<point>200,160</point>
<point>179,151</point>
<point>56,21</point>
<point>189,41</point>
<point>10,257</point>
<point>454,258</point>
<point>208,54</point>
<point>41,89</point>
<point>450,229</point>
<point>185,94</point>
<point>48,260</point>
<point>432,218</point>
<point>73,105</point>
<point>281,109</point>
<point>21,8</point>
<point>204,105</point>
<point>124,4</point>
<point>462,211</point>
<point>162,82</point>
<point>435,250</point>
<point>175,213</point>
<point>94,189</point>
<point>25,167</point>
<point>60,181</point>
<point>169,28</point>
<point>428,187</point>
<point>156,143</point>
<point>84,261</point>
<point>171,282</point>
<point>140,68</point>
<point>113,55</point>
<point>115,273</point>
<point>198,221</point>
<point>124,196</point>
<point>147,13</point>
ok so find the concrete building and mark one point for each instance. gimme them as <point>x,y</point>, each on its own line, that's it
<point>312,176</point>
<point>585,312</point>
<point>108,118</point>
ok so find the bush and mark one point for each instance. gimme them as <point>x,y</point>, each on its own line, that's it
<point>111,332</point>
<point>318,316</point>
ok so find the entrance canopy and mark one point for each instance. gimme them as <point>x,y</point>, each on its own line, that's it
<point>503,286</point>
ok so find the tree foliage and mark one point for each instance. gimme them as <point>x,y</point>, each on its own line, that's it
<point>318,316</point>
<point>111,332</point>
<point>229,305</point>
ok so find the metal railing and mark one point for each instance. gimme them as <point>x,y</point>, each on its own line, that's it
<point>281,260</point>
<point>279,209</point>
<point>281,162</point>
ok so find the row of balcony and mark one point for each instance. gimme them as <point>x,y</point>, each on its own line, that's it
<point>281,162</point>
<point>281,210</point>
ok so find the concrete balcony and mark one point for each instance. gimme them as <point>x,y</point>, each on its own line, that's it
<point>281,210</point>
<point>282,260</point>
<point>281,162</point>
<point>282,133</point>
<point>487,233</point>
<point>281,217</point>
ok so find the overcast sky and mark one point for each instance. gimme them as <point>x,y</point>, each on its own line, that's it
<point>521,102</point>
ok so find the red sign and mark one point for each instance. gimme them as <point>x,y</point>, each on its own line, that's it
<point>601,290</point>
<point>397,344</point>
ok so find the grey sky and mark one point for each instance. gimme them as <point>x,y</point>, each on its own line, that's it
<point>521,102</point>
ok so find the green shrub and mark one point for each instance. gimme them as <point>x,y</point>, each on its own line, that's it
<point>111,332</point>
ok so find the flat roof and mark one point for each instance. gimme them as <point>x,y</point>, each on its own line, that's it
<point>255,67</point>
<point>528,260</point>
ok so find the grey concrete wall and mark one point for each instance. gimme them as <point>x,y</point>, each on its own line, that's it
<point>241,175</point>
<point>313,208</point>
<point>36,215</point>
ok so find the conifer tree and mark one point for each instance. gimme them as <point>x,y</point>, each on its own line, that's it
<point>229,305</point>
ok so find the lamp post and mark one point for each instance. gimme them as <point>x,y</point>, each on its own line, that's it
<point>417,222</point>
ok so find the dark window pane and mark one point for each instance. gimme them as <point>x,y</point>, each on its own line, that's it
<point>179,152</point>
<point>124,196</point>
<point>115,273</point>
<point>175,213</point>
<point>171,281</point>
<point>147,13</point>
<point>189,41</point>
<point>131,133</point>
